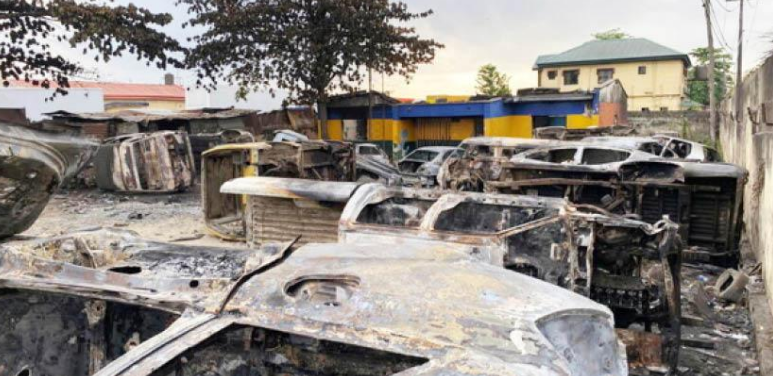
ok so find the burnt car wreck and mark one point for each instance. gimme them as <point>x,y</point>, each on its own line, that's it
<point>35,160</point>
<point>315,160</point>
<point>158,162</point>
<point>704,198</point>
<point>630,266</point>
<point>106,303</point>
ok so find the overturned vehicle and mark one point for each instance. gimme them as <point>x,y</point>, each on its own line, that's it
<point>704,198</point>
<point>35,160</point>
<point>106,303</point>
<point>630,266</point>
<point>158,162</point>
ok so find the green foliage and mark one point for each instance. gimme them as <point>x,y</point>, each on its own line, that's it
<point>492,82</point>
<point>29,27</point>
<point>306,47</point>
<point>698,91</point>
<point>612,34</point>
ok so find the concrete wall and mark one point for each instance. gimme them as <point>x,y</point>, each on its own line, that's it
<point>661,86</point>
<point>693,125</point>
<point>750,144</point>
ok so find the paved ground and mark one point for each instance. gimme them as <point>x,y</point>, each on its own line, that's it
<point>718,334</point>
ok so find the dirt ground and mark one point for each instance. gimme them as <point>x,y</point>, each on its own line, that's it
<point>168,218</point>
<point>717,336</point>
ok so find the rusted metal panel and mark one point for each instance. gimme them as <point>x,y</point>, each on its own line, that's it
<point>271,219</point>
<point>160,162</point>
<point>34,162</point>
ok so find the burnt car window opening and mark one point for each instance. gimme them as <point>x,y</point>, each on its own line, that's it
<point>63,335</point>
<point>593,156</point>
<point>653,148</point>
<point>422,155</point>
<point>554,156</point>
<point>369,150</point>
<point>476,218</point>
<point>243,350</point>
<point>712,156</point>
<point>677,149</point>
<point>396,211</point>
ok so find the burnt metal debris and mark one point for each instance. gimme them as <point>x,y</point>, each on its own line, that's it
<point>704,198</point>
<point>107,303</point>
<point>158,162</point>
<point>35,160</point>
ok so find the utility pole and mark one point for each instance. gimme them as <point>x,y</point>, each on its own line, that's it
<point>713,126</point>
<point>739,72</point>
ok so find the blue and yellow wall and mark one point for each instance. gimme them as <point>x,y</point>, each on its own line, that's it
<point>400,128</point>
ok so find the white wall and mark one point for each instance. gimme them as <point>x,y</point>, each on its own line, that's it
<point>225,96</point>
<point>35,102</point>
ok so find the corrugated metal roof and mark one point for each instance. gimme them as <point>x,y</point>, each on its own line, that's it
<point>601,51</point>
<point>140,116</point>
<point>122,91</point>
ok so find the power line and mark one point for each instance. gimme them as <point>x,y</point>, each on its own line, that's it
<point>724,7</point>
<point>718,29</point>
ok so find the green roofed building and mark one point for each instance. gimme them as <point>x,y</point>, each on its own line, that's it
<point>653,75</point>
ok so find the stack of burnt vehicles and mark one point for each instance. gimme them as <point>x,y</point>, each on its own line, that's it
<point>377,274</point>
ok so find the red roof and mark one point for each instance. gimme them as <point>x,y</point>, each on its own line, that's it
<point>124,91</point>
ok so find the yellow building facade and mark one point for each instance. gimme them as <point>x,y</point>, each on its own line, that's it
<point>654,76</point>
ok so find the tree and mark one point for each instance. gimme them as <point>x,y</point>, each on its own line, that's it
<point>612,34</point>
<point>307,47</point>
<point>723,77</point>
<point>28,28</point>
<point>491,82</point>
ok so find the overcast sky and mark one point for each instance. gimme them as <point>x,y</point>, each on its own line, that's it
<point>511,33</point>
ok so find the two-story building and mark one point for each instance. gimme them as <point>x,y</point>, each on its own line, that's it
<point>654,76</point>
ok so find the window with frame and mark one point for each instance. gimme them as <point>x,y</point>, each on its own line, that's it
<point>642,70</point>
<point>605,74</point>
<point>571,77</point>
<point>552,75</point>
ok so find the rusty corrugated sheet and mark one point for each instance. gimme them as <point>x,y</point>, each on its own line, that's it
<point>276,220</point>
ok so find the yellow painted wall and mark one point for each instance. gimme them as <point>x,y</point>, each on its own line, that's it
<point>380,129</point>
<point>403,130</point>
<point>509,126</point>
<point>581,121</point>
<point>662,85</point>
<point>152,105</point>
<point>335,130</point>
<point>448,98</point>
<point>445,129</point>
<point>462,129</point>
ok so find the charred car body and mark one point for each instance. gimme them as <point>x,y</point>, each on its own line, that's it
<point>158,162</point>
<point>705,199</point>
<point>105,303</point>
<point>628,265</point>
<point>34,161</point>
<point>662,146</point>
